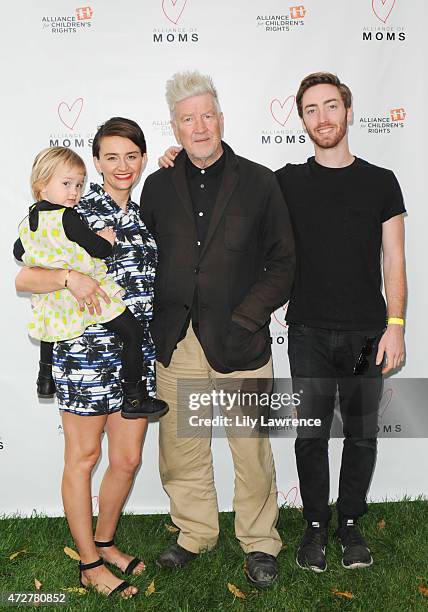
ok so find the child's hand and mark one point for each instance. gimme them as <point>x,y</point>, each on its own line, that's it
<point>108,233</point>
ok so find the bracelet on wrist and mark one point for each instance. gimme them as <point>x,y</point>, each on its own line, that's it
<point>67,276</point>
<point>395,321</point>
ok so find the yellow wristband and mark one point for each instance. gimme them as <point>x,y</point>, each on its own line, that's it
<point>66,279</point>
<point>395,321</point>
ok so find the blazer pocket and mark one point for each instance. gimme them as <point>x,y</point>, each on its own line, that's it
<point>239,233</point>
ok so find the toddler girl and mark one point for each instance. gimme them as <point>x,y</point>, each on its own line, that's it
<point>53,235</point>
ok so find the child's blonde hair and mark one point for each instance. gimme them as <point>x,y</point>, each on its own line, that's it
<point>46,163</point>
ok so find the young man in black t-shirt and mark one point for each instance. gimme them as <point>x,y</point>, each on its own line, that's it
<point>345,212</point>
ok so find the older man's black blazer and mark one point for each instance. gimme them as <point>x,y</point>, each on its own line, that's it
<point>243,271</point>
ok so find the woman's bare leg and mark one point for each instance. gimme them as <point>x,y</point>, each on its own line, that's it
<point>125,441</point>
<point>82,449</point>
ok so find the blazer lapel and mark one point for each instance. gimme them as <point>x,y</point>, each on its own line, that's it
<point>227,187</point>
<point>180,183</point>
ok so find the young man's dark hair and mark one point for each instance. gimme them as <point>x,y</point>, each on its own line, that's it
<point>323,78</point>
<point>118,126</point>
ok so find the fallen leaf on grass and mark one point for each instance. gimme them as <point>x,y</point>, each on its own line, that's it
<point>37,584</point>
<point>18,552</point>
<point>344,594</point>
<point>79,590</point>
<point>423,589</point>
<point>171,528</point>
<point>381,524</point>
<point>235,591</point>
<point>150,589</point>
<point>72,553</point>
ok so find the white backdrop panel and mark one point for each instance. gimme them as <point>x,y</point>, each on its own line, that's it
<point>61,81</point>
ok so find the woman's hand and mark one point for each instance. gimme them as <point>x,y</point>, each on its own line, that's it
<point>87,291</point>
<point>167,159</point>
<point>108,234</point>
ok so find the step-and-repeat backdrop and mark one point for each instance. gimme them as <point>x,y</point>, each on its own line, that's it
<point>68,66</point>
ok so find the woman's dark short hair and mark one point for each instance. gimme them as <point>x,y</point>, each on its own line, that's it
<point>118,126</point>
<point>323,78</point>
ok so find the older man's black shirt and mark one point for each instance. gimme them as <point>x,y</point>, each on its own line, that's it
<point>204,185</point>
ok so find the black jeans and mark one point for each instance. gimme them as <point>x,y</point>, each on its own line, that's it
<point>322,364</point>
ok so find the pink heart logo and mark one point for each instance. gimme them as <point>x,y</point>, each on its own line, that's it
<point>281,111</point>
<point>382,9</point>
<point>289,497</point>
<point>69,115</point>
<point>279,315</point>
<point>173,9</point>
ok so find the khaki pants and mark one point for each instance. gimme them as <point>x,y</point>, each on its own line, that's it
<point>186,467</point>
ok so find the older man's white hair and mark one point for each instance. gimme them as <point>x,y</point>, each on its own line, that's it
<point>183,85</point>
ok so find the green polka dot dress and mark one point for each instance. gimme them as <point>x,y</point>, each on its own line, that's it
<point>56,315</point>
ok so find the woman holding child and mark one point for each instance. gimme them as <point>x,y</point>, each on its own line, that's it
<point>86,369</point>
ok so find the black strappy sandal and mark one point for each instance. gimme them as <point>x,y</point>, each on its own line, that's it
<point>87,566</point>
<point>131,565</point>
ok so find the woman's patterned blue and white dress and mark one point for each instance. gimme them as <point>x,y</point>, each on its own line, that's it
<point>87,369</point>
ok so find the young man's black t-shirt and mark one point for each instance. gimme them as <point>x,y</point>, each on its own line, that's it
<point>337,216</point>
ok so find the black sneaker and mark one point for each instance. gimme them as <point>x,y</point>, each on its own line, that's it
<point>311,551</point>
<point>355,551</point>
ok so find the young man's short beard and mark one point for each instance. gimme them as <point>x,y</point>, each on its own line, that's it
<point>332,143</point>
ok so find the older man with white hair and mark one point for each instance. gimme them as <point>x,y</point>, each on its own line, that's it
<point>226,261</point>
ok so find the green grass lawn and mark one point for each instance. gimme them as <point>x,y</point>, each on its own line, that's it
<point>397,533</point>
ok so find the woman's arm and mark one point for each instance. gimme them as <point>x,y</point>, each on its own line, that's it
<point>85,289</point>
<point>39,280</point>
